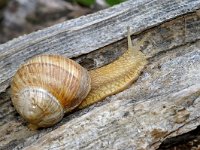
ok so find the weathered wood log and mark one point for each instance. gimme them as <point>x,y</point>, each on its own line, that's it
<point>164,102</point>
<point>76,37</point>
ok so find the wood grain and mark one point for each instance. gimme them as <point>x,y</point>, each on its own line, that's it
<point>163,103</point>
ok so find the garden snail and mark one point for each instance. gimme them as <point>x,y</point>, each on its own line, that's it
<point>47,86</point>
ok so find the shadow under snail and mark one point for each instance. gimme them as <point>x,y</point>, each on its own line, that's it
<point>48,86</point>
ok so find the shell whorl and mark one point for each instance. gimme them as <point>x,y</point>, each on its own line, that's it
<point>38,106</point>
<point>49,78</point>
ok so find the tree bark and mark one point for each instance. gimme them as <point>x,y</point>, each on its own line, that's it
<point>162,103</point>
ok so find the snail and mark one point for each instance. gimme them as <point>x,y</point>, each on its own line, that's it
<point>48,86</point>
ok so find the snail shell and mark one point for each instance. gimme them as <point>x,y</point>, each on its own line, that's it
<point>46,87</point>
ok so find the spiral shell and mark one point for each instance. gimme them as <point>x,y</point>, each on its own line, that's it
<point>46,87</point>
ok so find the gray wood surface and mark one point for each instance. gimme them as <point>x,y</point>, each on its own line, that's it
<point>164,101</point>
<point>88,33</point>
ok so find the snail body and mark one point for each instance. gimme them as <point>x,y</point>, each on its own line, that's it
<point>47,86</point>
<point>116,76</point>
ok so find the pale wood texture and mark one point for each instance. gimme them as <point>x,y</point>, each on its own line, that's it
<point>162,103</point>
